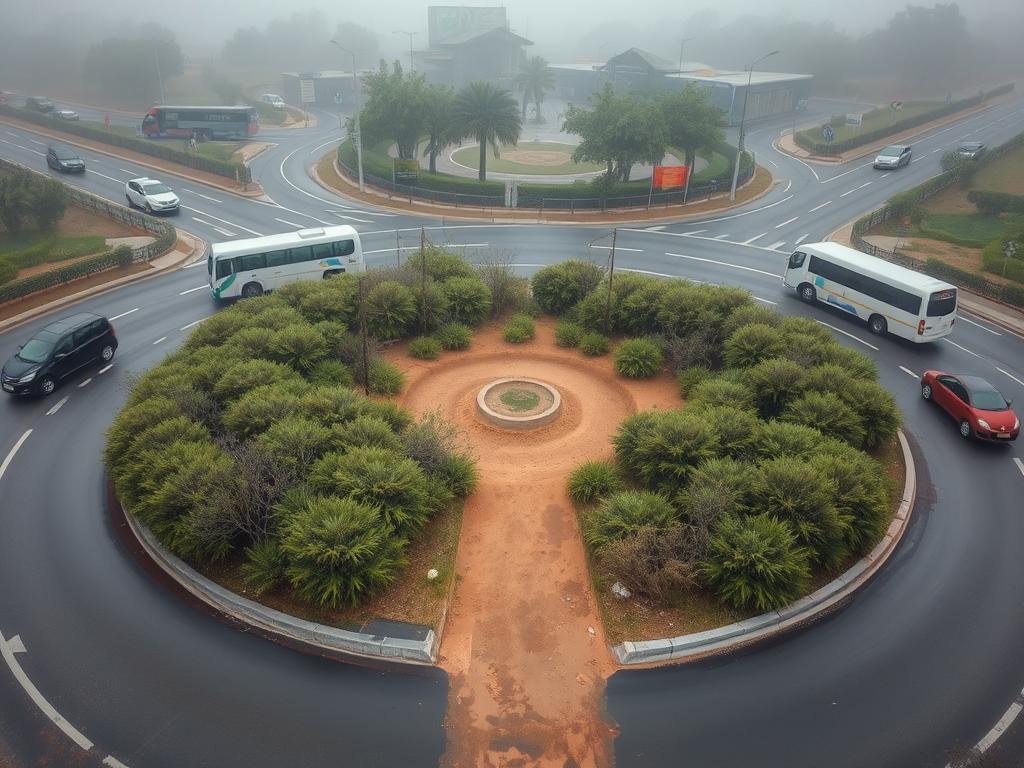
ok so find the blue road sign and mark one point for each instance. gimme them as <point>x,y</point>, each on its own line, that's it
<point>826,132</point>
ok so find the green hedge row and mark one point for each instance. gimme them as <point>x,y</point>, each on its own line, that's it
<point>1011,294</point>
<point>119,257</point>
<point>379,164</point>
<point>151,147</point>
<point>811,139</point>
<point>994,203</point>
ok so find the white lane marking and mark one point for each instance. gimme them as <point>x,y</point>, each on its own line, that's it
<point>840,330</point>
<point>656,229</point>
<point>916,159</point>
<point>205,197</point>
<point>802,237</point>
<point>764,301</point>
<point>199,263</point>
<point>883,175</point>
<point>719,237</point>
<point>118,317</point>
<point>772,162</point>
<point>935,150</point>
<point>352,218</point>
<point>85,383</point>
<point>125,170</point>
<point>105,368</point>
<point>291,210</point>
<point>391,250</point>
<point>984,328</point>
<point>1019,463</point>
<point>193,290</point>
<point>40,701</point>
<point>223,221</point>
<point>1010,375</point>
<point>113,762</point>
<point>215,228</point>
<point>776,246</point>
<point>694,232</point>
<point>908,371</point>
<point>617,248</point>
<point>1004,723</point>
<point>194,322</point>
<point>787,221</point>
<point>965,349</point>
<point>722,264</point>
<point>856,189</point>
<point>747,213</point>
<point>846,173</point>
<point>58,406</point>
<point>289,223</point>
<point>472,245</point>
<point>34,141</point>
<point>9,133</point>
<point>14,450</point>
<point>647,272</point>
<point>162,338</point>
<point>755,237</point>
<point>819,207</point>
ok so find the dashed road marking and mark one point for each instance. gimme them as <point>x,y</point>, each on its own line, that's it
<point>351,218</point>
<point>391,250</point>
<point>104,369</point>
<point>113,762</point>
<point>908,372</point>
<point>123,314</point>
<point>802,238</point>
<point>617,248</point>
<point>10,456</point>
<point>845,333</point>
<point>192,290</point>
<point>190,325</point>
<point>162,338</point>
<point>1019,463</point>
<point>984,328</point>
<point>855,189</point>
<point>819,207</point>
<point>85,383</point>
<point>125,170</point>
<point>200,194</point>
<point>777,245</point>
<point>289,223</point>
<point>694,232</point>
<point>223,221</point>
<point>755,237</point>
<point>999,728</point>
<point>719,237</point>
<point>214,227</point>
<point>57,406</point>
<point>965,349</point>
<point>36,141</point>
<point>763,301</point>
<point>472,245</point>
<point>1010,375</point>
<point>787,221</point>
<point>722,264</point>
<point>655,229</point>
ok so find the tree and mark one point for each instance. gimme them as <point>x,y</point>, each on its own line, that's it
<point>488,114</point>
<point>396,108</point>
<point>131,68</point>
<point>618,131</point>
<point>437,122</point>
<point>694,123</point>
<point>535,77</point>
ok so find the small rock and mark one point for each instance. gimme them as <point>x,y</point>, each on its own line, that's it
<point>432,574</point>
<point>620,591</point>
<point>581,679</point>
<point>591,630</point>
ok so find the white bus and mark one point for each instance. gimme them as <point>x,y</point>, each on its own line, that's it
<point>257,265</point>
<point>890,298</point>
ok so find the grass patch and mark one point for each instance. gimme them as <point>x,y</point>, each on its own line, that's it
<point>546,160</point>
<point>1004,175</point>
<point>973,229</point>
<point>519,400</point>
<point>27,249</point>
<point>876,119</point>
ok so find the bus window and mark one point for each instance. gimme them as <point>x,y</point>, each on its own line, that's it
<point>942,303</point>
<point>344,247</point>
<point>797,260</point>
<point>225,267</point>
<point>323,251</point>
<point>277,258</point>
<point>300,254</point>
<point>252,261</point>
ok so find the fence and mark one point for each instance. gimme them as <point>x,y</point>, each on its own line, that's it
<point>166,234</point>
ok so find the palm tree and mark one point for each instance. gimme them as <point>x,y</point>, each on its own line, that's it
<point>536,77</point>
<point>489,115</point>
<point>438,122</point>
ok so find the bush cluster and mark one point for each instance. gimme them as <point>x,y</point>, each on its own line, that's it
<point>518,329</point>
<point>248,445</point>
<point>29,198</point>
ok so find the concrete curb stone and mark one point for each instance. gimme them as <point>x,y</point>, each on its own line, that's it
<point>804,611</point>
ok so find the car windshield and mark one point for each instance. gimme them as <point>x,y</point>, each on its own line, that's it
<point>893,151</point>
<point>35,351</point>
<point>988,400</point>
<point>155,189</point>
<point>63,154</point>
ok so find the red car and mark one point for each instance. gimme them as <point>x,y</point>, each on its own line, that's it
<point>981,411</point>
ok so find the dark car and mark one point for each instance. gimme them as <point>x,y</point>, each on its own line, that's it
<point>978,407</point>
<point>63,159</point>
<point>39,104</point>
<point>972,150</point>
<point>56,352</point>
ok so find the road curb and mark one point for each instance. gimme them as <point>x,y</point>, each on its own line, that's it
<point>730,638</point>
<point>278,625</point>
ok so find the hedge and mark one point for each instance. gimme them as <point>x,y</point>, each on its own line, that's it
<point>379,164</point>
<point>151,147</point>
<point>994,203</point>
<point>810,139</point>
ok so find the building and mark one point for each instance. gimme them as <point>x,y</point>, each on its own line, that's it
<point>330,89</point>
<point>470,43</point>
<point>771,93</point>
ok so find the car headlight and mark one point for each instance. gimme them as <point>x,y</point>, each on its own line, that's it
<point>27,377</point>
<point>983,424</point>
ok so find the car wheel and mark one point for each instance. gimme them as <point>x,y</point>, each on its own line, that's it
<point>807,293</point>
<point>149,209</point>
<point>965,429</point>
<point>47,385</point>
<point>251,290</point>
<point>926,391</point>
<point>877,325</point>
<point>107,353</point>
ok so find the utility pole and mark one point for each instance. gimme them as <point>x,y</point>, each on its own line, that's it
<point>743,117</point>
<point>357,134</point>
<point>362,335</point>
<point>398,247</point>
<point>411,35</point>
<point>159,77</point>
<point>611,275</point>
<point>681,42</point>
<point>423,281</point>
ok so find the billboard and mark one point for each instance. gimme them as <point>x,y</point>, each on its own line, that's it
<point>670,176</point>
<point>446,22</point>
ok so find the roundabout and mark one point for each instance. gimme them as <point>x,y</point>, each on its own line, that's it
<point>527,158</point>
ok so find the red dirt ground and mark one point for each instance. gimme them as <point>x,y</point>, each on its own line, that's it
<point>524,645</point>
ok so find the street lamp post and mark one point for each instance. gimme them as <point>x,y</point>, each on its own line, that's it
<point>411,35</point>
<point>159,77</point>
<point>743,117</point>
<point>357,134</point>
<point>681,43</point>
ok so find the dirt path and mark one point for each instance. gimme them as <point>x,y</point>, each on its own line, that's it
<point>524,644</point>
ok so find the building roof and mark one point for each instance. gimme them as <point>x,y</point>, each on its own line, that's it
<point>738,78</point>
<point>473,36</point>
<point>650,60</point>
<point>333,74</point>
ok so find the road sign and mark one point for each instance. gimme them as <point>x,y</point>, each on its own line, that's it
<point>827,133</point>
<point>307,91</point>
<point>896,106</point>
<point>669,176</point>
<point>854,118</point>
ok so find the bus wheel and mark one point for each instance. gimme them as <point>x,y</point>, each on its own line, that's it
<point>877,325</point>
<point>807,293</point>
<point>332,272</point>
<point>249,290</point>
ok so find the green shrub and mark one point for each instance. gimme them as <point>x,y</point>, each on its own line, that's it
<point>392,413</point>
<point>828,414</point>
<point>332,300</point>
<point>454,336</point>
<point>857,365</point>
<point>385,379</point>
<point>329,373</point>
<point>778,439</point>
<point>861,499</point>
<point>755,563</point>
<point>131,421</point>
<point>749,314</point>
<point>561,286</point>
<point>737,428</point>
<point>244,376</point>
<point>7,271</point>
<point>339,550</point>
<point>593,481</point>
<point>253,342</point>
<point>722,486</point>
<point>295,442</point>
<point>299,345</point>
<point>365,432</point>
<point>827,377</point>
<point>750,344</point>
<point>469,300</point>
<point>660,448</point>
<point>690,378</point>
<point>994,203</point>
<point>264,566</point>
<point>333,405</point>
<point>623,514</point>
<point>257,409</point>
<point>568,333</point>
<point>390,310</point>
<point>459,475</point>
<point>877,410</point>
<point>518,329</point>
<point>718,391</point>
<point>425,348</point>
<point>774,382</point>
<point>636,302</point>
<point>594,344</point>
<point>638,358</point>
<point>440,265</point>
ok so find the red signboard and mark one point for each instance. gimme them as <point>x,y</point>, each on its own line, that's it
<point>670,176</point>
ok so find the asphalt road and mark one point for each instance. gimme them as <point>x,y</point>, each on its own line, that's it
<point>926,659</point>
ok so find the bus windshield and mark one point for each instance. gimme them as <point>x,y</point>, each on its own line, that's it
<point>942,303</point>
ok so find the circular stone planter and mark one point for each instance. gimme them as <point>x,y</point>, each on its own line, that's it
<point>518,403</point>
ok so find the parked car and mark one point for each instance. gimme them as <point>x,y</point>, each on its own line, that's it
<point>979,408</point>
<point>273,100</point>
<point>893,156</point>
<point>65,114</point>
<point>56,352</point>
<point>151,195</point>
<point>39,104</point>
<point>64,160</point>
<point>972,150</point>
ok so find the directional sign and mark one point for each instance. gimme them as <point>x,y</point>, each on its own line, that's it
<point>827,133</point>
<point>896,106</point>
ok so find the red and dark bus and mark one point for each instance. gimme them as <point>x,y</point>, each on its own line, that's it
<point>202,122</point>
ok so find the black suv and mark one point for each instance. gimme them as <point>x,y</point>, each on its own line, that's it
<point>57,351</point>
<point>62,159</point>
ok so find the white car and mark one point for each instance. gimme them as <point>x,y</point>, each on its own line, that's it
<point>151,195</point>
<point>65,114</point>
<point>273,100</point>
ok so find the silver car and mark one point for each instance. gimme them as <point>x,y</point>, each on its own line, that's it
<point>151,195</point>
<point>892,157</point>
<point>65,114</point>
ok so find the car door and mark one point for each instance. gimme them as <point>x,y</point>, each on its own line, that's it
<point>51,159</point>
<point>943,392</point>
<point>135,192</point>
<point>82,342</point>
<point>63,357</point>
<point>959,401</point>
<point>906,156</point>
